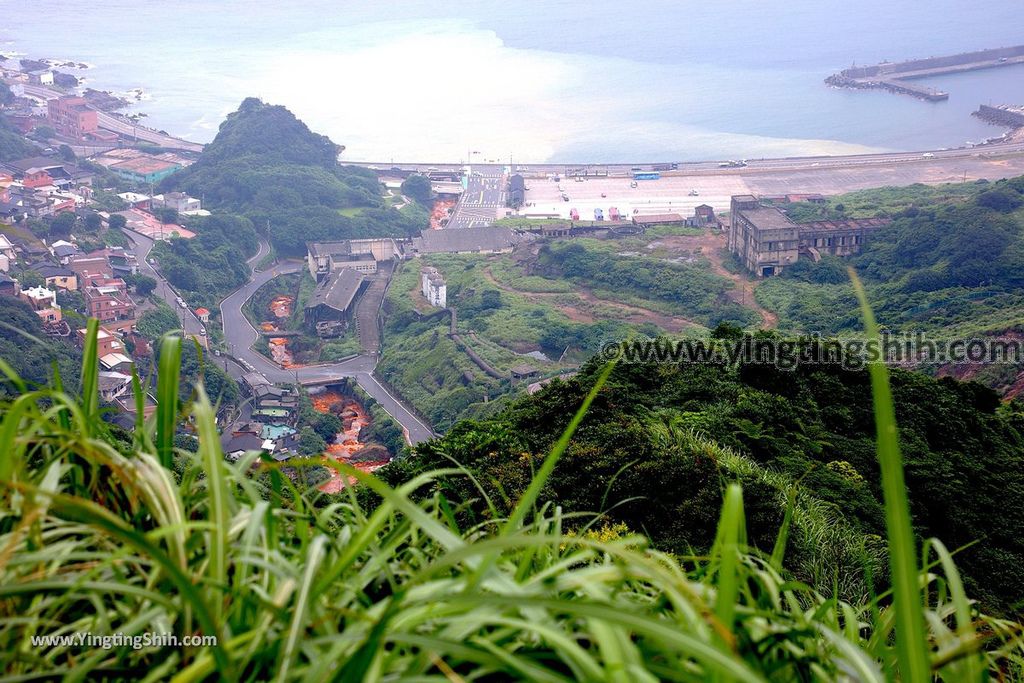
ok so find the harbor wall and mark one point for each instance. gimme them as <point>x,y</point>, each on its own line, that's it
<point>949,61</point>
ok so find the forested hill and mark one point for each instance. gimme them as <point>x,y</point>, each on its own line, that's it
<point>272,135</point>
<point>659,443</point>
<point>267,164</point>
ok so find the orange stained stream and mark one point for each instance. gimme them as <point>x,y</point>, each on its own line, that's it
<point>346,444</point>
<point>281,307</point>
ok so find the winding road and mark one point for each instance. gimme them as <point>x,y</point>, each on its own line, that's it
<point>141,246</point>
<point>240,336</point>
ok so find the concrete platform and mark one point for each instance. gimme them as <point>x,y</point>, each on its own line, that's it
<point>671,194</point>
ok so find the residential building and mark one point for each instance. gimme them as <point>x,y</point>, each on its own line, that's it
<point>88,266</point>
<point>240,444</point>
<point>63,250</point>
<point>39,297</point>
<point>8,285</point>
<point>136,200</point>
<point>50,317</point>
<point>122,262</point>
<point>109,350</point>
<point>72,117</point>
<point>433,286</point>
<point>113,385</point>
<point>179,201</point>
<point>203,314</point>
<point>106,299</point>
<point>57,277</point>
<point>62,173</point>
<point>7,253</point>
<point>44,302</point>
<point>766,240</point>
<point>106,341</point>
<point>36,178</point>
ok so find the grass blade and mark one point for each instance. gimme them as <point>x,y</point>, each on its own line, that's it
<point>913,652</point>
<point>90,373</point>
<point>167,398</point>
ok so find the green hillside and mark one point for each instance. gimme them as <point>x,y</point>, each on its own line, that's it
<point>267,165</point>
<point>946,263</point>
<point>661,441</point>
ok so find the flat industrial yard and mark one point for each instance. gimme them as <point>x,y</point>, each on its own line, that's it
<point>672,192</point>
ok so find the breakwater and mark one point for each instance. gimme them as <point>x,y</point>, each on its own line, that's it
<point>894,76</point>
<point>1005,115</point>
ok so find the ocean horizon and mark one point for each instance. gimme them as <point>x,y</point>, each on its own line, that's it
<point>537,82</point>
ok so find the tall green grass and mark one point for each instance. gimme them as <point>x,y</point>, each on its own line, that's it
<point>96,537</point>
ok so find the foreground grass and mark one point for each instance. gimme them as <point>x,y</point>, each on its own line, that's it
<point>107,538</point>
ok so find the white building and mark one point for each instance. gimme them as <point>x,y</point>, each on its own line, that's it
<point>433,287</point>
<point>41,77</point>
<point>39,297</point>
<point>179,201</point>
<point>7,255</point>
<point>113,385</point>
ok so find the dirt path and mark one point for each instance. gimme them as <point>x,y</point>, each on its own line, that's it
<point>711,245</point>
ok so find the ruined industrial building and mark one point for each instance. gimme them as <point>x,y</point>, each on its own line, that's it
<point>766,240</point>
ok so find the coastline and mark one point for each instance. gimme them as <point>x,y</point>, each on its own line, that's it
<point>115,103</point>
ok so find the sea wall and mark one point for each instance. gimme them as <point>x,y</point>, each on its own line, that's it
<point>896,68</point>
<point>1000,116</point>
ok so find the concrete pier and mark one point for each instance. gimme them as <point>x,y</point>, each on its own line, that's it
<point>893,76</point>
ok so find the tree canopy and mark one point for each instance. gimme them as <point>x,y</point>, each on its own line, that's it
<point>12,145</point>
<point>267,165</point>
<point>417,187</point>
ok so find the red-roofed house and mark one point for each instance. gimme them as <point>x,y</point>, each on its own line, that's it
<point>203,315</point>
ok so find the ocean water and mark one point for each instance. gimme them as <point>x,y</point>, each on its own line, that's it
<point>554,80</point>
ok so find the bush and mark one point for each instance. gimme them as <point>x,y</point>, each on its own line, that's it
<point>417,187</point>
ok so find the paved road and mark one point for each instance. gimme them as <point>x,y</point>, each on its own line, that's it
<point>120,126</point>
<point>189,322</point>
<point>241,335</point>
<point>791,163</point>
<point>484,195</point>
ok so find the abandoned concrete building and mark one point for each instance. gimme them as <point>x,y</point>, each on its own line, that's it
<point>766,240</point>
<point>362,255</point>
